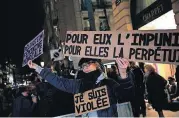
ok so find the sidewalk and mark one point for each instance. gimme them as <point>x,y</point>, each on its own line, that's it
<point>153,113</point>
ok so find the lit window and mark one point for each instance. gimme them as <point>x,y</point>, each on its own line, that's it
<point>142,4</point>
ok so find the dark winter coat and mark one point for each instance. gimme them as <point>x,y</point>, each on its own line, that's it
<point>139,80</point>
<point>177,74</point>
<point>22,107</point>
<point>113,75</point>
<point>126,90</point>
<point>177,79</point>
<point>155,87</point>
<point>139,102</point>
<point>73,86</point>
<point>1,104</point>
<point>45,92</point>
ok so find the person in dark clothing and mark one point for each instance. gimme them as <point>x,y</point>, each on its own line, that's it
<point>45,93</point>
<point>61,99</point>
<point>172,87</point>
<point>177,79</point>
<point>2,86</point>
<point>1,102</point>
<point>22,106</point>
<point>114,73</point>
<point>6,93</point>
<point>155,87</point>
<point>51,102</point>
<point>93,78</point>
<point>66,69</point>
<point>139,89</point>
<point>126,95</point>
<point>131,84</point>
<point>141,66</point>
<point>79,74</point>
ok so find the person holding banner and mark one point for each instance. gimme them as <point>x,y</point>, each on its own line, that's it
<point>92,77</point>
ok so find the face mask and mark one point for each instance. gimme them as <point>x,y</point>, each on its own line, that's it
<point>89,79</point>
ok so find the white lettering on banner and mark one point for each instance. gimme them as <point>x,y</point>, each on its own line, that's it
<point>143,46</point>
<point>33,49</point>
<point>91,100</point>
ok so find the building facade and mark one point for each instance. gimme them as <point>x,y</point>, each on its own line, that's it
<point>175,6</point>
<point>147,15</point>
<point>102,15</point>
<point>72,15</point>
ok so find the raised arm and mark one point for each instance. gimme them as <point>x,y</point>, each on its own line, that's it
<point>64,84</point>
<point>122,67</point>
<point>125,90</point>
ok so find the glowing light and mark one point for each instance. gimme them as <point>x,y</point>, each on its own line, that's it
<point>111,63</point>
<point>11,78</point>
<point>108,66</point>
<point>42,64</point>
<point>166,21</point>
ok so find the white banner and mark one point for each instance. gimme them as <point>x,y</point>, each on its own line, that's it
<point>160,46</point>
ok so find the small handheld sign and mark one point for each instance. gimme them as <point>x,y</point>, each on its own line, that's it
<point>56,54</point>
<point>92,100</point>
<point>33,49</point>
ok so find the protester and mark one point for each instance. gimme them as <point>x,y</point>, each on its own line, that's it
<point>156,86</point>
<point>51,102</point>
<point>22,106</point>
<point>172,87</point>
<point>57,103</point>
<point>1,102</point>
<point>141,66</point>
<point>126,94</point>
<point>106,70</point>
<point>53,69</point>
<point>113,73</point>
<point>66,68</point>
<point>177,79</point>
<point>45,99</point>
<point>8,94</point>
<point>92,78</point>
<point>44,92</point>
<point>63,103</point>
<point>139,89</point>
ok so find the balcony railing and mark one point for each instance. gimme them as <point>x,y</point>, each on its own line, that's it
<point>98,5</point>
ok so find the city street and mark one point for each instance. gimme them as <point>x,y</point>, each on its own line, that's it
<point>90,58</point>
<point>152,113</point>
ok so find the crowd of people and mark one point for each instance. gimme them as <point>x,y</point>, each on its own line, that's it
<point>38,99</point>
<point>161,93</point>
<point>51,93</point>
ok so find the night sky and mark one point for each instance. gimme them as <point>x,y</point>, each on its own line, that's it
<point>25,21</point>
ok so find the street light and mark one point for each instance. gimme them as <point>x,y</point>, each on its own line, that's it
<point>42,64</point>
